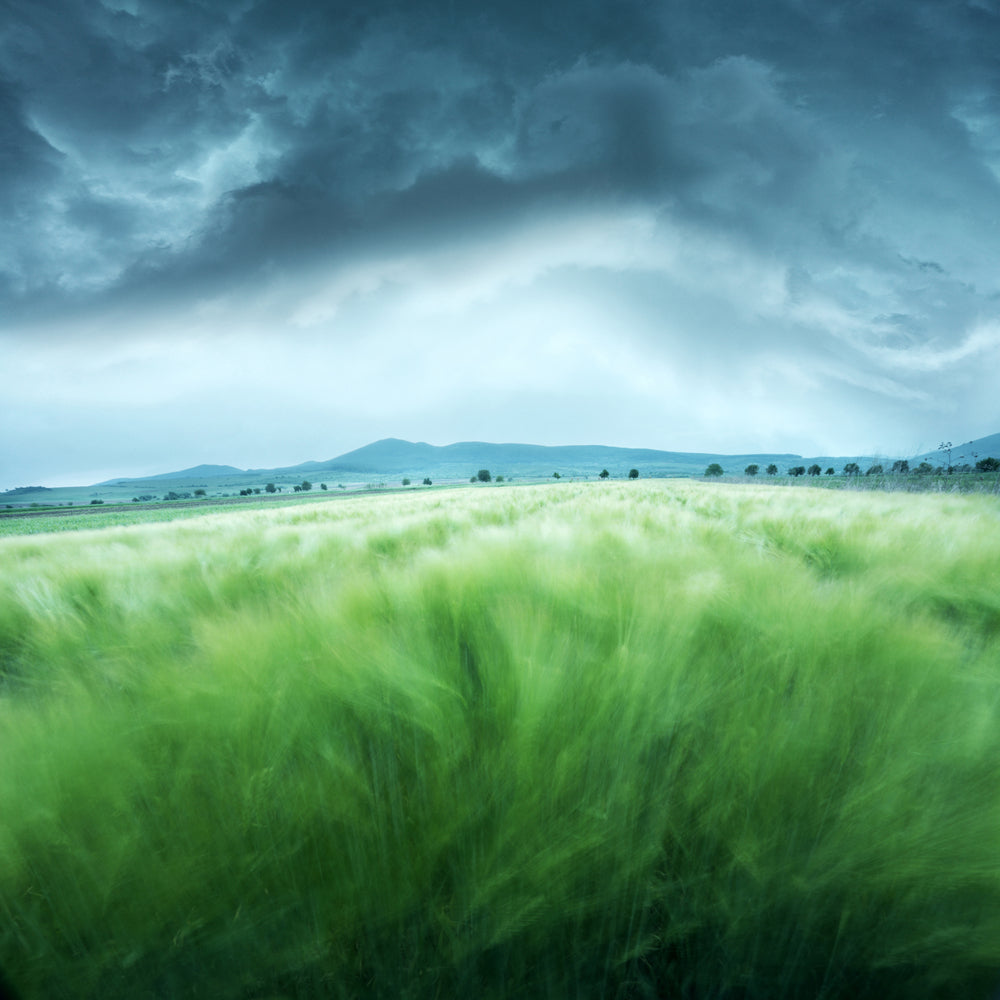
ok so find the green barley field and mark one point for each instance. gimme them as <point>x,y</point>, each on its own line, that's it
<point>606,740</point>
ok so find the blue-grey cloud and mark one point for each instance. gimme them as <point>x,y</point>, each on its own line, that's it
<point>810,188</point>
<point>201,129</point>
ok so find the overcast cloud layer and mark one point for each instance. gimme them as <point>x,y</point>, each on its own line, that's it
<point>257,233</point>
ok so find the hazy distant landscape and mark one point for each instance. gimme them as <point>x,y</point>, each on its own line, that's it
<point>388,462</point>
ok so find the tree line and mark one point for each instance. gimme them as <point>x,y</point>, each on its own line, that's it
<point>485,476</point>
<point>901,467</point>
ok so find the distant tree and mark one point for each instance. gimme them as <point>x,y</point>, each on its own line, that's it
<point>772,470</point>
<point>306,485</point>
<point>797,470</point>
<point>714,470</point>
<point>852,469</point>
<point>946,446</point>
<point>555,475</point>
<point>751,470</point>
<point>472,479</point>
<point>988,465</point>
<point>874,470</point>
<point>297,488</point>
<point>96,501</point>
<point>901,466</point>
<point>814,470</point>
<point>829,472</point>
<point>322,486</point>
<point>633,473</point>
<point>406,482</point>
<point>256,491</point>
<point>427,481</point>
<point>499,479</point>
<point>604,474</point>
<point>199,493</point>
<point>483,475</point>
<point>271,488</point>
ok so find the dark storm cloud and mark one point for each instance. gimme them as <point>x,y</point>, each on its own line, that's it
<point>28,168</point>
<point>27,161</point>
<point>193,140</point>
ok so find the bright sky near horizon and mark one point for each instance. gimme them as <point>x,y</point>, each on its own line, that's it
<point>258,232</point>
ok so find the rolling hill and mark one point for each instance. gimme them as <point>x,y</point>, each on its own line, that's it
<point>197,472</point>
<point>461,460</point>
<point>969,452</point>
<point>393,459</point>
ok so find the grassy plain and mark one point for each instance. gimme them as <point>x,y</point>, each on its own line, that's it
<point>581,740</point>
<point>35,522</point>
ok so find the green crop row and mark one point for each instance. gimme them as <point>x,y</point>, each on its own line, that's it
<point>611,740</point>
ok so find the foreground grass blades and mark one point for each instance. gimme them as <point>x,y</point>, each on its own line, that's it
<point>604,740</point>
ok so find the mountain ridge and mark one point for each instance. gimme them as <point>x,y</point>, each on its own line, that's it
<point>194,471</point>
<point>970,451</point>
<point>397,456</point>
<point>380,462</point>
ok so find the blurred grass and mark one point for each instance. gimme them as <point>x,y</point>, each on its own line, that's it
<point>601,740</point>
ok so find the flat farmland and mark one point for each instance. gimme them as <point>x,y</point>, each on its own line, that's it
<point>631,740</point>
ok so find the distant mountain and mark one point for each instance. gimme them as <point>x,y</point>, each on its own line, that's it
<point>196,472</point>
<point>23,491</point>
<point>392,456</point>
<point>397,458</point>
<point>965,454</point>
<point>387,455</point>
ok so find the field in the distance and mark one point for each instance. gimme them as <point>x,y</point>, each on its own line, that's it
<point>624,740</point>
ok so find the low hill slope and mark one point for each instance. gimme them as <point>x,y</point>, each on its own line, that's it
<point>460,460</point>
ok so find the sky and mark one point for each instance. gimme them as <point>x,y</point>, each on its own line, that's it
<point>260,232</point>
